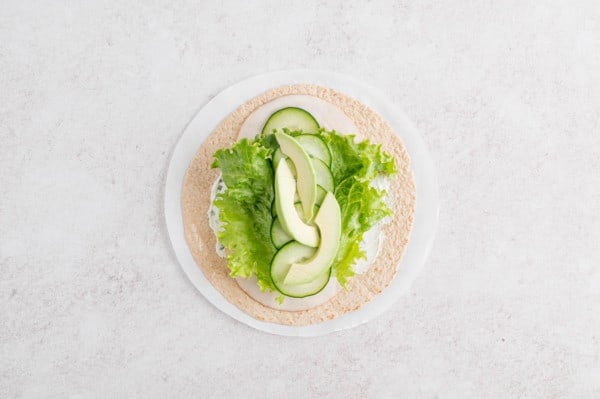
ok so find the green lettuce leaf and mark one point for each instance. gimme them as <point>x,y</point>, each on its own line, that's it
<point>245,206</point>
<point>354,165</point>
<point>245,209</point>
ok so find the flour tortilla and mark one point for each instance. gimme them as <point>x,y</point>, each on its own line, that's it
<point>361,288</point>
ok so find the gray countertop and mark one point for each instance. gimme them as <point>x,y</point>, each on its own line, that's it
<point>94,95</point>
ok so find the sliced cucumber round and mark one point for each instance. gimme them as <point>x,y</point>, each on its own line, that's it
<point>273,209</point>
<point>279,236</point>
<point>323,174</point>
<point>315,147</point>
<point>293,252</point>
<point>292,118</point>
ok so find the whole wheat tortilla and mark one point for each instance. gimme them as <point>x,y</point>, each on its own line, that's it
<point>361,288</point>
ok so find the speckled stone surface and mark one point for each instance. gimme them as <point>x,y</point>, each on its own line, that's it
<point>94,95</point>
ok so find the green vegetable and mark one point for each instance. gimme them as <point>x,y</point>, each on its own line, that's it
<point>290,253</point>
<point>245,207</point>
<point>364,159</point>
<point>353,166</point>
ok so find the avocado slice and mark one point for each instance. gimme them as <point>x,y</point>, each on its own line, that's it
<point>306,179</point>
<point>329,222</point>
<point>285,188</point>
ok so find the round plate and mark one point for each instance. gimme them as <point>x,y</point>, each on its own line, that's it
<point>426,212</point>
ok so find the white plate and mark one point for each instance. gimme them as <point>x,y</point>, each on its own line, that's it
<point>427,207</point>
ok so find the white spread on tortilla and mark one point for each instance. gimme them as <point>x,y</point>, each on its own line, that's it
<point>332,118</point>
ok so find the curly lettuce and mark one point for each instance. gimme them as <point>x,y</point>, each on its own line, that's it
<point>245,206</point>
<point>245,209</point>
<point>354,165</point>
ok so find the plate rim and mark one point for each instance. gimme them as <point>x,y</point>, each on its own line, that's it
<point>426,213</point>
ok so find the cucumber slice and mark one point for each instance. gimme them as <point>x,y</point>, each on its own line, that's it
<point>294,252</point>
<point>279,236</point>
<point>292,118</point>
<point>323,174</point>
<point>273,210</point>
<point>315,147</point>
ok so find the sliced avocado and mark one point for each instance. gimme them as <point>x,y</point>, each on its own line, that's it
<point>285,187</point>
<point>294,252</point>
<point>306,179</point>
<point>298,204</point>
<point>329,222</point>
